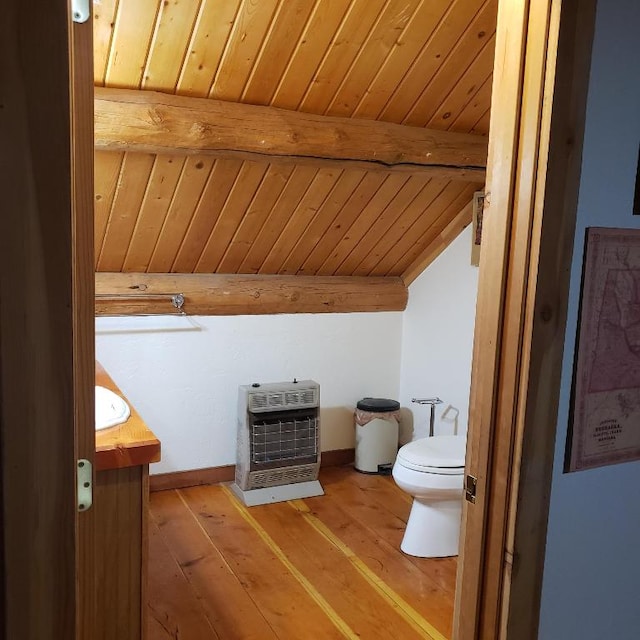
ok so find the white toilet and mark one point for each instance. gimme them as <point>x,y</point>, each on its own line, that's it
<point>432,471</point>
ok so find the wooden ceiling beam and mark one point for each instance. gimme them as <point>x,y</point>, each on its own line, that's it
<point>223,295</point>
<point>148,121</point>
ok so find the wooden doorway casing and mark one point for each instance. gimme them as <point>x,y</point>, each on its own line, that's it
<point>46,334</point>
<point>46,318</point>
<point>541,73</point>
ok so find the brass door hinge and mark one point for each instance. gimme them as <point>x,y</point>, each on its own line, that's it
<point>471,484</point>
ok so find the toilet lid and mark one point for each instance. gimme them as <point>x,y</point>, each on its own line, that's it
<point>437,454</point>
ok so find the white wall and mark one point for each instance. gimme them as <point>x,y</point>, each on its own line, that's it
<point>182,374</point>
<point>437,342</point>
<point>591,588</point>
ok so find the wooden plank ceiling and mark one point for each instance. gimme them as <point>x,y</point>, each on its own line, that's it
<point>417,63</point>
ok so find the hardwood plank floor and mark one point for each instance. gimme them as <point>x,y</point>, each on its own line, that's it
<point>319,568</point>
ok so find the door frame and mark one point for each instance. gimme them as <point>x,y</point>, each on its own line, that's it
<point>46,315</point>
<point>46,319</point>
<point>540,82</point>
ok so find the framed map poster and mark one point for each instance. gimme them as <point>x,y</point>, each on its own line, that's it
<point>605,426</point>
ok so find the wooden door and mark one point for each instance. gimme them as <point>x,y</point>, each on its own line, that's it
<point>537,124</point>
<point>46,318</point>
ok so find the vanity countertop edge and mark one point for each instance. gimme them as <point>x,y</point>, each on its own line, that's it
<point>129,444</point>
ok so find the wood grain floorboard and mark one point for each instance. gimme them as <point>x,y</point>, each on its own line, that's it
<point>379,505</point>
<point>287,606</point>
<point>174,609</point>
<point>326,567</point>
<point>208,574</point>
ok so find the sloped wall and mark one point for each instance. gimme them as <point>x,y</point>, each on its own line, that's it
<point>437,342</point>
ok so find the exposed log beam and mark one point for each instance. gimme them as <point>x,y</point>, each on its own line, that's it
<point>212,294</point>
<point>147,121</point>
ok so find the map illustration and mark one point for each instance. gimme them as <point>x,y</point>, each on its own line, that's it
<point>606,402</point>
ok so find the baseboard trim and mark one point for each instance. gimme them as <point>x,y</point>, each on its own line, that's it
<point>337,457</point>
<point>214,475</point>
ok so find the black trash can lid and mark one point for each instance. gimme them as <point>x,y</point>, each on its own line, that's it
<point>378,405</point>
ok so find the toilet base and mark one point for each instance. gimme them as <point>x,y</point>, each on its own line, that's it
<point>433,529</point>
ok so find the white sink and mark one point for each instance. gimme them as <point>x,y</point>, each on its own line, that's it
<point>111,409</point>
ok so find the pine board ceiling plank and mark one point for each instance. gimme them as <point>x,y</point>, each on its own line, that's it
<point>104,15</point>
<point>254,218</point>
<point>475,109</point>
<point>153,211</point>
<point>467,19</point>
<point>209,39</point>
<point>369,214</point>
<point>396,234</point>
<point>440,243</point>
<point>169,45</point>
<point>189,190</point>
<point>309,53</point>
<point>436,221</point>
<point>107,174</point>
<point>413,258</point>
<point>342,52</point>
<point>482,126</point>
<point>357,201</point>
<point>300,219</point>
<point>134,176</point>
<point>380,42</point>
<point>462,93</point>
<point>132,33</point>
<point>415,231</point>
<point>221,180</point>
<point>331,207</point>
<point>288,200</point>
<point>240,197</point>
<point>276,51</point>
<point>376,231</point>
<point>249,29</point>
<point>473,42</point>
<point>427,19</point>
<point>388,219</point>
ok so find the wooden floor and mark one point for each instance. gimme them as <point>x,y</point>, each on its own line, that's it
<point>320,568</point>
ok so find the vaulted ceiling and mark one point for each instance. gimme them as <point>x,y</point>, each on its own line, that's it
<point>303,137</point>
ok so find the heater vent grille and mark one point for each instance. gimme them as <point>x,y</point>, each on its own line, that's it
<point>287,475</point>
<point>260,401</point>
<point>284,440</point>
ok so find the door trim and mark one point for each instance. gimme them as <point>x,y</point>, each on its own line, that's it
<point>44,404</point>
<point>82,164</point>
<point>537,125</point>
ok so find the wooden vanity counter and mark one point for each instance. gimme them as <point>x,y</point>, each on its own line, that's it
<point>120,508</point>
<point>125,445</point>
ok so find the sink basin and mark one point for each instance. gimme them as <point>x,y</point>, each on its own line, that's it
<point>111,409</point>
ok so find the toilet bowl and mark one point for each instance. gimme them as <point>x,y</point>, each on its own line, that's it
<point>432,471</point>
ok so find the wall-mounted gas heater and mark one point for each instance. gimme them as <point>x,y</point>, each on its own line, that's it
<point>278,449</point>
